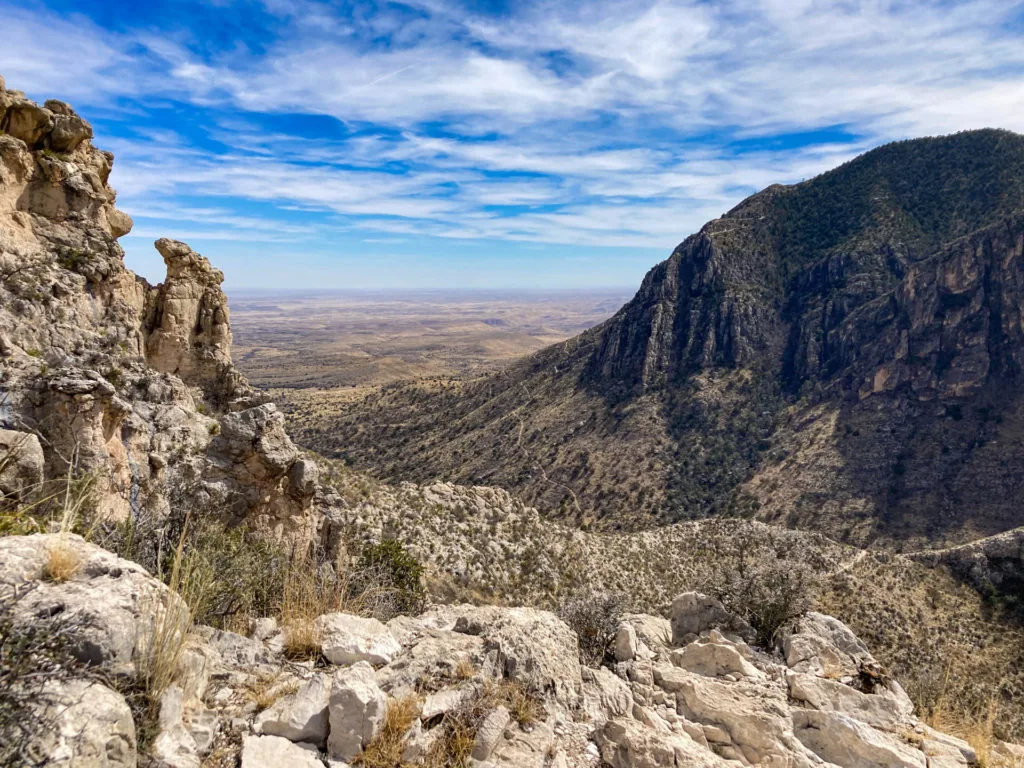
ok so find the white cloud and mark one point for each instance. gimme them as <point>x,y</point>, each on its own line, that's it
<point>602,123</point>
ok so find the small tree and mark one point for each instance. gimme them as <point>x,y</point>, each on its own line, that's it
<point>763,581</point>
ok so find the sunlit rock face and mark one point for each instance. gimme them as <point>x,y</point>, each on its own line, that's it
<point>118,380</point>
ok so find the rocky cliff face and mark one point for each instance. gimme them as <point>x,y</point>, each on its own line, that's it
<point>843,354</point>
<point>104,376</point>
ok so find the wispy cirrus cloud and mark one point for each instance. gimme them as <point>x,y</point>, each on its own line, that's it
<point>612,124</point>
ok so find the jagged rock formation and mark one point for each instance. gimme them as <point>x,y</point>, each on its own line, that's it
<point>684,690</point>
<point>187,317</point>
<point>843,354</point>
<point>106,376</point>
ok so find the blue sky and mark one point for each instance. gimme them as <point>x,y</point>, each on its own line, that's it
<point>434,144</point>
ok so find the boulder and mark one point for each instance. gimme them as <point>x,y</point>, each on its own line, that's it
<point>824,646</point>
<point>629,744</point>
<point>489,733</point>
<point>21,463</point>
<point>754,719</point>
<point>624,645</point>
<point>605,695</point>
<point>87,726</point>
<point>277,752</point>
<point>843,741</point>
<point>524,748</point>
<point>534,647</point>
<point>102,608</point>
<point>347,639</point>
<point>28,121</point>
<point>68,132</point>
<point>692,613</point>
<point>302,716</point>
<point>436,704</point>
<point>174,746</point>
<point>356,711</point>
<point>881,709</point>
<point>432,654</point>
<point>714,659</point>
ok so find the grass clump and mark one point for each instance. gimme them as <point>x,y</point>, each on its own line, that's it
<point>266,689</point>
<point>62,561</point>
<point>459,727</point>
<point>385,751</point>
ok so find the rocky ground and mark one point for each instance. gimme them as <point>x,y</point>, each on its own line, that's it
<point>458,685</point>
<point>123,422</point>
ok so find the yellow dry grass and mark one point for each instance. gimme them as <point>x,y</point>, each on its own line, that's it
<point>62,561</point>
<point>385,751</point>
<point>266,689</point>
<point>160,645</point>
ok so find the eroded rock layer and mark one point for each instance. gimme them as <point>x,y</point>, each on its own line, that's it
<point>106,376</point>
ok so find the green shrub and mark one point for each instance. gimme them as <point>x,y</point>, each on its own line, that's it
<point>764,580</point>
<point>389,570</point>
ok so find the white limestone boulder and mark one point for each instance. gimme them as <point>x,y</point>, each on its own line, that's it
<point>347,639</point>
<point>356,711</point>
<point>301,716</point>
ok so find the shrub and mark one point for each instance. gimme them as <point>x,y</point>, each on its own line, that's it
<point>594,617</point>
<point>764,581</point>
<point>389,579</point>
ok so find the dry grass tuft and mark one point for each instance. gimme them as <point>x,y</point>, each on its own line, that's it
<point>305,597</point>
<point>464,670</point>
<point>459,727</point>
<point>266,689</point>
<point>161,643</point>
<point>524,707</point>
<point>976,725</point>
<point>452,749</point>
<point>385,751</point>
<point>62,561</point>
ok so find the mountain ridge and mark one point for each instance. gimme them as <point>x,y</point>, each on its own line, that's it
<point>895,276</point>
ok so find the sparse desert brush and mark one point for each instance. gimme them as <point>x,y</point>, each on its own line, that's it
<point>594,617</point>
<point>459,726</point>
<point>385,751</point>
<point>524,706</point>
<point>32,656</point>
<point>453,747</point>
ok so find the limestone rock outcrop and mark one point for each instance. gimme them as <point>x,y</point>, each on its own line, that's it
<point>499,676</point>
<point>113,378</point>
<point>189,334</point>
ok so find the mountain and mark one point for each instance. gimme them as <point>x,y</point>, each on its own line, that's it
<point>842,355</point>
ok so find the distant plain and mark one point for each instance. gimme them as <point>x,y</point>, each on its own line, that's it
<point>313,350</point>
